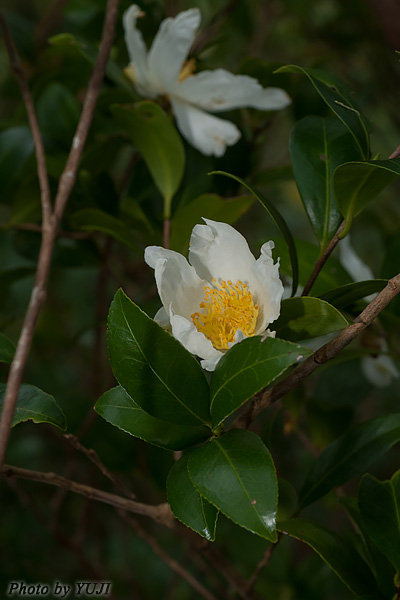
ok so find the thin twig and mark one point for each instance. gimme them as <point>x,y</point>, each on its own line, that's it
<point>395,153</point>
<point>262,564</point>
<point>330,350</point>
<point>72,235</point>
<point>322,260</point>
<point>160,513</point>
<point>94,458</point>
<point>50,225</point>
<point>166,232</point>
<point>45,197</point>
<point>173,564</point>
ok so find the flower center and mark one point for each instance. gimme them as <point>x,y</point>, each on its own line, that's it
<point>227,307</point>
<point>189,67</point>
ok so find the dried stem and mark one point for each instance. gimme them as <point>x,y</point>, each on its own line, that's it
<point>322,260</point>
<point>51,220</point>
<point>160,513</point>
<point>262,564</point>
<point>330,350</point>
<point>173,564</point>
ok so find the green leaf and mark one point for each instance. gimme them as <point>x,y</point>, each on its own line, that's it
<point>307,317</point>
<point>58,113</point>
<point>154,368</point>
<point>348,294</point>
<point>16,144</point>
<point>357,183</point>
<point>158,142</point>
<point>210,206</point>
<point>339,554</point>
<point>186,503</point>
<point>277,219</point>
<point>35,405</point>
<point>246,369</point>
<point>317,147</point>
<point>236,474</point>
<point>118,408</point>
<point>338,97</point>
<point>7,349</point>
<point>350,455</point>
<point>94,219</point>
<point>379,503</point>
<point>331,276</point>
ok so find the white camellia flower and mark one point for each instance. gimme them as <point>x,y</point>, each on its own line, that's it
<point>223,296</point>
<point>164,70</point>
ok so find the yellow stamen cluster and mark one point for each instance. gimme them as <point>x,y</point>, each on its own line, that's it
<point>189,67</point>
<point>227,307</point>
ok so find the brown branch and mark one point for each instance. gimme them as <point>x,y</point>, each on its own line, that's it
<point>72,235</point>
<point>50,225</point>
<point>322,260</point>
<point>395,153</point>
<point>173,564</point>
<point>329,351</point>
<point>15,64</point>
<point>262,564</point>
<point>160,513</point>
<point>94,458</point>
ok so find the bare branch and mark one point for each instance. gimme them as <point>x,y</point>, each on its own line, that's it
<point>330,350</point>
<point>395,153</point>
<point>322,260</point>
<point>50,226</point>
<point>173,564</point>
<point>160,513</point>
<point>15,64</point>
<point>262,564</point>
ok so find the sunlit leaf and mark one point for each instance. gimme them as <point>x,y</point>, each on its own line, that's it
<point>246,369</point>
<point>236,474</point>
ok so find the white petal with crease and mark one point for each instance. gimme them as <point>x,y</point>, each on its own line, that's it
<point>138,69</point>
<point>208,134</point>
<point>221,90</point>
<point>171,47</point>
<point>194,341</point>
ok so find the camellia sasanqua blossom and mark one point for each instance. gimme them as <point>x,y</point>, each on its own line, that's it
<point>221,296</point>
<point>164,70</point>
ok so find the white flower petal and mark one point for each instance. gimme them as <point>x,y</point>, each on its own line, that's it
<point>137,69</point>
<point>268,289</point>
<point>171,47</point>
<point>218,250</point>
<point>210,135</point>
<point>161,317</point>
<point>178,284</point>
<point>220,90</point>
<point>194,341</point>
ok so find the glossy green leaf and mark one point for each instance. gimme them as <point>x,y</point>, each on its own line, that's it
<point>236,474</point>
<point>350,455</point>
<point>158,142</point>
<point>339,554</point>
<point>35,405</point>
<point>339,98</point>
<point>187,504</point>
<point>118,408</point>
<point>317,146</point>
<point>357,183</point>
<point>210,206</point>
<point>246,369</point>
<point>154,368</point>
<point>348,294</point>
<point>94,219</point>
<point>7,349</point>
<point>277,219</point>
<point>379,503</point>
<point>306,317</point>
<point>332,275</point>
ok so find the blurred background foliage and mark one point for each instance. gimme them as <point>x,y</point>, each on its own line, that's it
<point>45,534</point>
